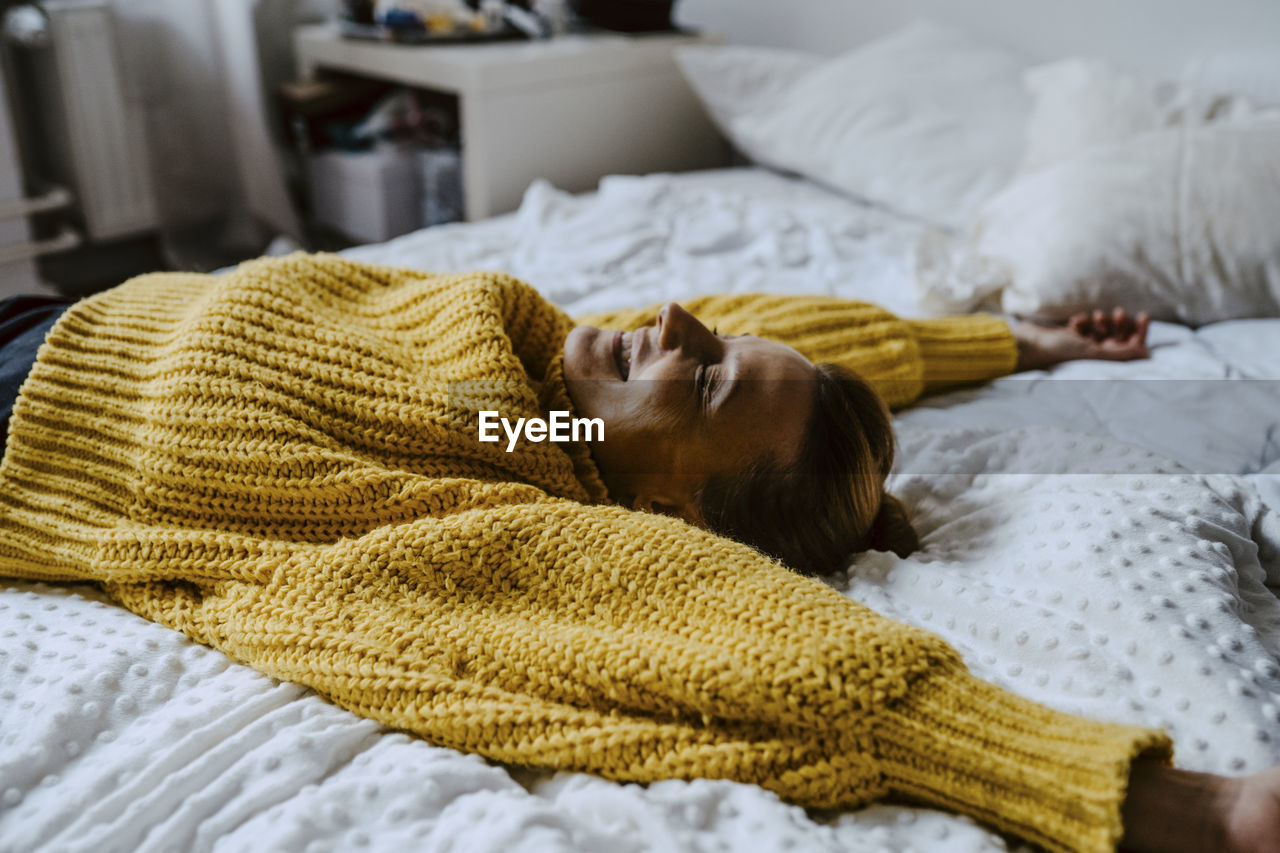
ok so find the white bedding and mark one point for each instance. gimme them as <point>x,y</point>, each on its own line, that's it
<point>642,240</point>
<point>1134,589</point>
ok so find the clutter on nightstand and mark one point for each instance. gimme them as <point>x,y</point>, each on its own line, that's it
<point>443,21</point>
<point>459,21</point>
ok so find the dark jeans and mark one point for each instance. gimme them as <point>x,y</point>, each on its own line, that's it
<point>24,321</point>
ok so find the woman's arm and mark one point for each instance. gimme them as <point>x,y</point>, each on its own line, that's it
<point>901,359</point>
<point>591,638</point>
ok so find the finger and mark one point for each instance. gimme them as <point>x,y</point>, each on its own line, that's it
<point>1079,323</point>
<point>1121,322</point>
<point>1101,325</point>
<point>1131,347</point>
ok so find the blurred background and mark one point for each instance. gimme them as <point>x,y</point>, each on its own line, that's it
<point>179,134</point>
<point>145,134</point>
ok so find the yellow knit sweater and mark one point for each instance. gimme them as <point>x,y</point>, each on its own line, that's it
<point>282,463</point>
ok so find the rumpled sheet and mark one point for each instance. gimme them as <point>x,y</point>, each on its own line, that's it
<point>1106,547</point>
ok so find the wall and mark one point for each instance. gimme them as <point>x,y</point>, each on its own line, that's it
<point>205,71</point>
<point>1157,37</point>
<point>172,63</point>
<point>16,277</point>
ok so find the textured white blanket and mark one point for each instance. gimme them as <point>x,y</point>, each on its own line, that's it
<point>1064,561</point>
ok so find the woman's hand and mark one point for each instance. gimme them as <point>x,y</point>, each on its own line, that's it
<point>1172,811</point>
<point>1090,334</point>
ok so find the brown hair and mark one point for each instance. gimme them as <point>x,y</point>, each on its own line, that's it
<point>830,502</point>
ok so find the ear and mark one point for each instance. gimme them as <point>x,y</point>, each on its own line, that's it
<point>665,503</point>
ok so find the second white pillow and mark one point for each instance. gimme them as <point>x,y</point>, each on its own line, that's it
<point>1179,222</point>
<point>928,122</point>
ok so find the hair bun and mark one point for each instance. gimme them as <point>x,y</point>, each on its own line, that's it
<point>892,530</point>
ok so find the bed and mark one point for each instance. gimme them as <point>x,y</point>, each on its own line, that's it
<point>1103,538</point>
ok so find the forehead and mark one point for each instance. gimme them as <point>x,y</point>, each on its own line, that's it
<point>755,358</point>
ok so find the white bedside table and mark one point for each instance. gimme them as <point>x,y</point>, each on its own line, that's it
<point>571,109</point>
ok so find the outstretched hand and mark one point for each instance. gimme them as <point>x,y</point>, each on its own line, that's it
<point>1178,811</point>
<point>1114,336</point>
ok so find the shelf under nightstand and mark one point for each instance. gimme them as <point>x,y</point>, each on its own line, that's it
<point>571,109</point>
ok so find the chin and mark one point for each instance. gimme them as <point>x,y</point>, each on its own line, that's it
<point>577,352</point>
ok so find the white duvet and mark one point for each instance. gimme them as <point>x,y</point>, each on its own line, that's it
<point>1104,547</point>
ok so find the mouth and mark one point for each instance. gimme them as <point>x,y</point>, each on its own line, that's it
<point>622,354</point>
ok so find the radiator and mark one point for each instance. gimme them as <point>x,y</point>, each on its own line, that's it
<point>91,133</point>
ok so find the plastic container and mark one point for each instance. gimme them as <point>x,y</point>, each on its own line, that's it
<point>369,196</point>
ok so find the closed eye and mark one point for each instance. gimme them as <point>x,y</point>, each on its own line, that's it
<point>706,380</point>
<point>702,385</point>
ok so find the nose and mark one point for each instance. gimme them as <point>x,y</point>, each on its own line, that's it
<point>677,328</point>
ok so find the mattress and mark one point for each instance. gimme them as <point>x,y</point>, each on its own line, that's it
<point>1102,538</point>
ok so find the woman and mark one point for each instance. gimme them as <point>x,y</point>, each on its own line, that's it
<point>770,449</point>
<point>284,463</point>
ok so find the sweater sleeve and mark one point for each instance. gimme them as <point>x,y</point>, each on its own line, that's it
<point>639,648</point>
<point>963,350</point>
<point>1058,780</point>
<point>902,359</point>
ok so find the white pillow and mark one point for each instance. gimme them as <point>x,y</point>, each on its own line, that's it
<point>1180,222</point>
<point>1078,103</point>
<point>928,121</point>
<point>733,80</point>
<point>1251,74</point>
<point>1081,102</point>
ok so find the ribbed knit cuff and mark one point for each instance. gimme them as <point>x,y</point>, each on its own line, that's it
<point>1057,780</point>
<point>964,350</point>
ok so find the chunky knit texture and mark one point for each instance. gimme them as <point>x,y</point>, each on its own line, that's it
<point>282,463</point>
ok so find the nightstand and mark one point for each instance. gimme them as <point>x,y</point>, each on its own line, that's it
<point>570,109</point>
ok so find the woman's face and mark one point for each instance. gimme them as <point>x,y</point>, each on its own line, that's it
<point>681,403</point>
